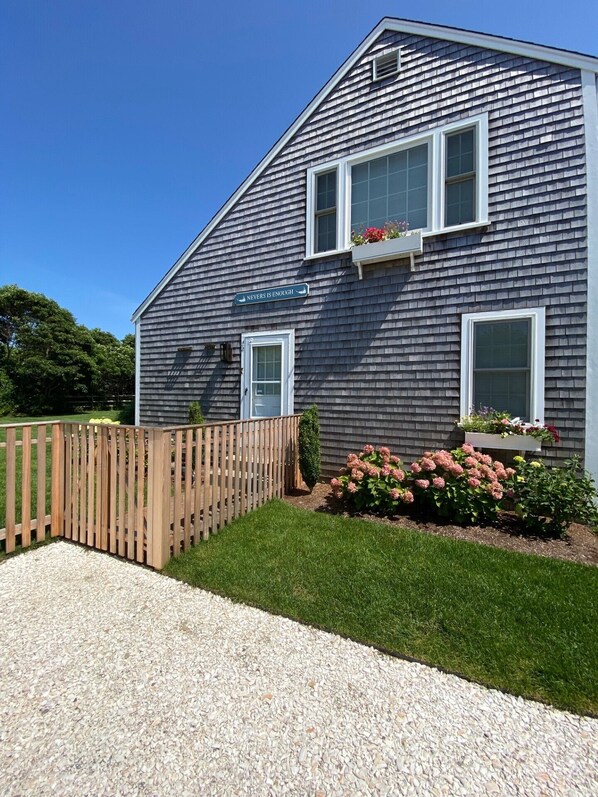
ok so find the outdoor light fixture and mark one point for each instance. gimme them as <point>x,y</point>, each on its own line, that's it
<point>185,349</point>
<point>226,352</point>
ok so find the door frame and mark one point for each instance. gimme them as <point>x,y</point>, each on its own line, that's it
<point>285,337</point>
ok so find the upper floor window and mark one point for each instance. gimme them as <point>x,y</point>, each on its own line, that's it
<point>436,181</point>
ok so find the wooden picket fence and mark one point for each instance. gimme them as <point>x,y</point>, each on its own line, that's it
<point>143,493</point>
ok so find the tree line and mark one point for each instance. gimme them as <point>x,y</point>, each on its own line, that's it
<point>51,364</point>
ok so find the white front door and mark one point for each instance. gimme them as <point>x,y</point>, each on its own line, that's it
<point>267,375</point>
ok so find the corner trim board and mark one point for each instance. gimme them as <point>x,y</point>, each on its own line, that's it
<point>590,112</point>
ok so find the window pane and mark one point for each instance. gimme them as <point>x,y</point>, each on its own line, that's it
<point>266,380</point>
<point>392,188</point>
<point>460,153</point>
<point>460,202</point>
<point>326,232</point>
<point>503,390</point>
<point>502,344</point>
<point>326,191</point>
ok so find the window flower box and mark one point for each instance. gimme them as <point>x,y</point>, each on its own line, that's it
<point>510,442</point>
<point>391,249</point>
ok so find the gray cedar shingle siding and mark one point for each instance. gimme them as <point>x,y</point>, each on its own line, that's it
<point>381,356</point>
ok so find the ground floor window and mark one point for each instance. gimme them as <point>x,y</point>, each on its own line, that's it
<point>502,362</point>
<point>267,374</point>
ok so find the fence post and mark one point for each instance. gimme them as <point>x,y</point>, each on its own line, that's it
<point>57,505</point>
<point>158,514</point>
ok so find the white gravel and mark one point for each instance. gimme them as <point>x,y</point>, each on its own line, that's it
<point>118,681</point>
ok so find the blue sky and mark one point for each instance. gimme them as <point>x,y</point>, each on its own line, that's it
<point>126,125</point>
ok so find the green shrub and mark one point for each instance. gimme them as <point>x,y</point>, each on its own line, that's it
<point>195,414</point>
<point>549,499</point>
<point>126,414</point>
<point>309,446</point>
<point>373,481</point>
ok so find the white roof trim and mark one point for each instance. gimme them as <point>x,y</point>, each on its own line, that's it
<point>525,49</point>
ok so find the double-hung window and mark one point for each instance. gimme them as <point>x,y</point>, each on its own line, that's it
<point>502,362</point>
<point>434,182</point>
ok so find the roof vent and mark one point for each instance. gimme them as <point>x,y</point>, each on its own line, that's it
<point>386,65</point>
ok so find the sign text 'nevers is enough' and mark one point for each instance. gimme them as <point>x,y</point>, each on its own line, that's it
<point>273,294</point>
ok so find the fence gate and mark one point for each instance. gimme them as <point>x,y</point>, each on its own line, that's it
<point>105,488</point>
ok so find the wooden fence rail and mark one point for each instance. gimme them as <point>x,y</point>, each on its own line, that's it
<point>143,493</point>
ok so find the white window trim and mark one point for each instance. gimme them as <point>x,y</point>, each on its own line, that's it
<point>286,337</point>
<point>538,319</point>
<point>435,138</point>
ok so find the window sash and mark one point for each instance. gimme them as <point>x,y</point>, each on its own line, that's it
<point>520,371</point>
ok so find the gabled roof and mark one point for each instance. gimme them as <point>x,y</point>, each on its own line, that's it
<point>539,52</point>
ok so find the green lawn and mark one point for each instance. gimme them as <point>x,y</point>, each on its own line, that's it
<point>520,623</point>
<point>82,418</point>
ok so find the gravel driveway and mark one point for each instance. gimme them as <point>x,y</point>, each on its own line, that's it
<point>118,681</point>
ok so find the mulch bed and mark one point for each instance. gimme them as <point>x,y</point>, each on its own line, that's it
<point>580,544</point>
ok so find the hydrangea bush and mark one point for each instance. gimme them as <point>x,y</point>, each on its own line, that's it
<point>374,480</point>
<point>463,485</point>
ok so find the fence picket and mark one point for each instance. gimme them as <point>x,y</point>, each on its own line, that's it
<point>121,457</point>
<point>140,503</point>
<point>208,509</point>
<point>188,503</point>
<point>76,469</point>
<point>130,529</point>
<point>113,471</point>
<point>11,477</point>
<point>26,487</point>
<point>40,512</point>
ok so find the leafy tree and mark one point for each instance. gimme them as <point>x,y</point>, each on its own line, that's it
<point>114,366</point>
<point>48,362</point>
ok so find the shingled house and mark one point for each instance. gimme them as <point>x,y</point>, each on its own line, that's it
<point>488,149</point>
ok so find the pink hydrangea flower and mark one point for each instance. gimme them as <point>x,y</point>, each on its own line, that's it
<point>395,459</point>
<point>501,474</point>
<point>415,468</point>
<point>408,497</point>
<point>335,483</point>
<point>473,482</point>
<point>357,475</point>
<point>339,493</point>
<point>368,449</point>
<point>352,487</point>
<point>385,471</point>
<point>456,469</point>
<point>398,474</point>
<point>438,482</point>
<point>428,463</point>
<point>384,452</point>
<point>467,448</point>
<point>395,494</point>
<point>471,462</point>
<point>478,455</point>
<point>510,472</point>
<point>487,459</point>
<point>423,483</point>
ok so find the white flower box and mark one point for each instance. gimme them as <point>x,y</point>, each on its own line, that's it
<point>512,442</point>
<point>391,249</point>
